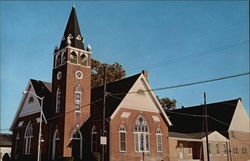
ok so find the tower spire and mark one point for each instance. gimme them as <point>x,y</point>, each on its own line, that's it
<point>72,32</point>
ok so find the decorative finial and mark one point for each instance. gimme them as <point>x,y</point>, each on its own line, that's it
<point>88,48</point>
<point>68,40</point>
<point>73,4</point>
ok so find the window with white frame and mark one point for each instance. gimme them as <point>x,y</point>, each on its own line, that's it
<point>78,95</point>
<point>28,138</point>
<point>94,139</point>
<point>63,57</point>
<point>235,150</point>
<point>225,148</point>
<point>83,60</point>
<point>77,145</point>
<point>122,137</point>
<point>55,145</point>
<point>73,57</point>
<point>159,140</point>
<point>190,149</point>
<point>217,149</point>
<point>209,149</point>
<point>58,100</point>
<point>141,135</point>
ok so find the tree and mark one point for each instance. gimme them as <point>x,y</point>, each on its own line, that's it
<point>114,72</point>
<point>167,103</point>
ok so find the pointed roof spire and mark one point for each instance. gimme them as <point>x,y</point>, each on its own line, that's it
<point>72,32</point>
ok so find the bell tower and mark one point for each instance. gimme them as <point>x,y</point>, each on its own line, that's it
<point>71,86</point>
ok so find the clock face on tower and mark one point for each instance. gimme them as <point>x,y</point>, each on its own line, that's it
<point>59,75</point>
<point>78,74</point>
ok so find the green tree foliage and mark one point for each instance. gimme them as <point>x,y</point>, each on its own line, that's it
<point>114,72</point>
<point>167,103</point>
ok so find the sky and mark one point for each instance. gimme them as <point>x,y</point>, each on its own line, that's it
<point>177,42</point>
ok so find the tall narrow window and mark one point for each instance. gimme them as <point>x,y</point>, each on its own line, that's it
<point>189,149</point>
<point>217,149</point>
<point>63,57</point>
<point>83,60</point>
<point>58,100</point>
<point>77,145</point>
<point>159,140</point>
<point>209,149</point>
<point>58,60</point>
<point>94,139</point>
<point>225,148</point>
<point>27,138</point>
<point>55,145</point>
<point>73,58</point>
<point>78,95</point>
<point>141,134</point>
<point>122,137</point>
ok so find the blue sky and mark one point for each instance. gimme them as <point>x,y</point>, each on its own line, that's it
<point>177,42</point>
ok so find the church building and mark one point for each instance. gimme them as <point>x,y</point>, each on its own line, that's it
<point>120,121</point>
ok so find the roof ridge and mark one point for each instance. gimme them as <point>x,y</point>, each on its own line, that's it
<point>213,103</point>
<point>117,81</point>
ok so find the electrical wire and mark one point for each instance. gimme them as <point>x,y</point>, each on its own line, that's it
<point>183,85</point>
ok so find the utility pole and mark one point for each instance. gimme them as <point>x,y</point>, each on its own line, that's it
<point>104,109</point>
<point>206,124</point>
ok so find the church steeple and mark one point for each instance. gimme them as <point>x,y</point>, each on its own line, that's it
<point>72,35</point>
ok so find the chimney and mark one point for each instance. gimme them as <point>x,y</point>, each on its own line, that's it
<point>145,72</point>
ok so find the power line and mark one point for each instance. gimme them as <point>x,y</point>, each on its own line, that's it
<point>61,115</point>
<point>183,85</point>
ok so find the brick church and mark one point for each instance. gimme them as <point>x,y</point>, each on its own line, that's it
<point>136,127</point>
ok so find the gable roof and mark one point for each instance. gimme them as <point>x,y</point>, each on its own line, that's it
<point>184,123</point>
<point>41,89</point>
<point>121,86</point>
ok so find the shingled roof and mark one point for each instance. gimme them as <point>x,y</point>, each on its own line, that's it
<point>121,86</point>
<point>72,29</point>
<point>5,140</point>
<point>184,123</point>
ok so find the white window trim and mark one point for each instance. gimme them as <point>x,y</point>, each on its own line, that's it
<point>80,99</point>
<point>28,139</point>
<point>225,149</point>
<point>72,138</point>
<point>210,148</point>
<point>144,133</point>
<point>125,132</point>
<point>159,134</point>
<point>92,137</point>
<point>58,102</point>
<point>217,149</point>
<point>54,144</point>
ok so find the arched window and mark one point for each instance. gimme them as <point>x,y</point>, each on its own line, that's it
<point>58,60</point>
<point>83,60</point>
<point>55,145</point>
<point>63,57</point>
<point>94,139</point>
<point>141,134</point>
<point>31,99</point>
<point>122,137</point>
<point>78,95</point>
<point>77,145</point>
<point>73,58</point>
<point>159,140</point>
<point>58,100</point>
<point>27,138</point>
